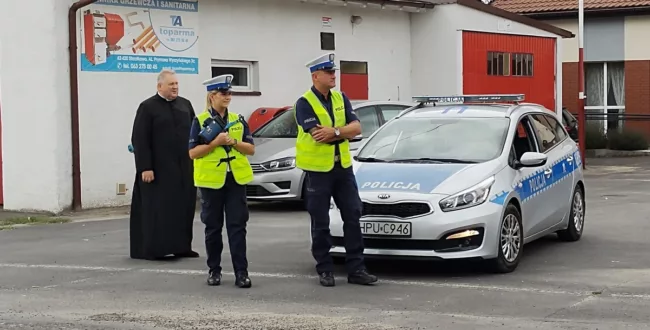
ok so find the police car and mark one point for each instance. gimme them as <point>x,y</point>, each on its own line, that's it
<point>473,176</point>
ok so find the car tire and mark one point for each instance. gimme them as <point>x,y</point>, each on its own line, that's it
<point>511,221</point>
<point>576,224</point>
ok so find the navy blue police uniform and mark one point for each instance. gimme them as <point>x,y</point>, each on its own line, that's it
<point>231,198</point>
<point>339,184</point>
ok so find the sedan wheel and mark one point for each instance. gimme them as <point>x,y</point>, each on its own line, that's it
<point>510,238</point>
<point>511,242</point>
<point>576,223</point>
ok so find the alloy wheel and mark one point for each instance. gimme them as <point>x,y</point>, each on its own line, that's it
<point>578,211</point>
<point>510,238</point>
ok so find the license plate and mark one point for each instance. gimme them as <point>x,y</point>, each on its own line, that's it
<point>386,228</point>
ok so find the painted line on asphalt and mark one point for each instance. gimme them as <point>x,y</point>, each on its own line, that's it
<point>302,276</point>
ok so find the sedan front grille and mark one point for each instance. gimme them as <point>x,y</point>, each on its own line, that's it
<point>257,168</point>
<point>400,210</point>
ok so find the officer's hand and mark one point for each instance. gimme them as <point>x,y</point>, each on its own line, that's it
<point>323,133</point>
<point>220,140</point>
<point>147,176</point>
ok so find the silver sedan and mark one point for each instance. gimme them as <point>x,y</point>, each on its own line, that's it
<point>274,162</point>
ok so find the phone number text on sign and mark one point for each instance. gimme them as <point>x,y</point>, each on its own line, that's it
<point>154,64</point>
<point>138,66</point>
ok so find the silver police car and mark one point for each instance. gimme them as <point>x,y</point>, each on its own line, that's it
<point>467,177</point>
<point>274,162</point>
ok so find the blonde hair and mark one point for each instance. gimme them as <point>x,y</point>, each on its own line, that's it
<point>208,104</point>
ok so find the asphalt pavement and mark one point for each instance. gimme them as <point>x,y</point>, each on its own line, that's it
<point>78,276</point>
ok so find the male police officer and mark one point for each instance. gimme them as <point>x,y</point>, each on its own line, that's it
<point>221,172</point>
<point>325,123</point>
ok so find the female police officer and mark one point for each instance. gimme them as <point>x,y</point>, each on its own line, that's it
<point>221,171</point>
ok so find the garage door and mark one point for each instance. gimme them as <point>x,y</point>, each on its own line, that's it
<point>503,64</point>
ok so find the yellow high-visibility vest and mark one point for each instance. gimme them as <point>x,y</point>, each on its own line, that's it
<point>319,157</point>
<point>206,172</point>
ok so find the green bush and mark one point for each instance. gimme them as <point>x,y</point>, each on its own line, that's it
<point>627,139</point>
<point>596,138</point>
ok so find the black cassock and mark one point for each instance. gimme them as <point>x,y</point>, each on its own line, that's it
<point>162,212</point>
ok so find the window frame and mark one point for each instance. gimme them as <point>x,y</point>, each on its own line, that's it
<point>378,116</point>
<point>380,111</point>
<point>524,59</point>
<point>552,119</point>
<point>505,63</point>
<point>249,66</point>
<point>603,108</point>
<point>538,138</point>
<point>531,136</point>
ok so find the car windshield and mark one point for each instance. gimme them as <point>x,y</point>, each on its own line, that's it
<point>465,140</point>
<point>282,126</point>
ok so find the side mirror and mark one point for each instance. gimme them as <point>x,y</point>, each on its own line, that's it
<point>356,138</point>
<point>532,159</point>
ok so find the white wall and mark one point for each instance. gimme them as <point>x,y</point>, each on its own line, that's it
<point>37,165</point>
<point>637,46</point>
<point>636,33</point>
<point>282,35</point>
<point>436,39</point>
<point>569,45</point>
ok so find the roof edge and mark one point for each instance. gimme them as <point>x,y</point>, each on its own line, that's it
<point>479,5</point>
<point>620,11</point>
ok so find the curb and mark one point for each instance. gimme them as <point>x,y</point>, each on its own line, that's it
<point>608,153</point>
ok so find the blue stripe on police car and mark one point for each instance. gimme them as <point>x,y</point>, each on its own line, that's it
<point>418,178</point>
<point>539,181</point>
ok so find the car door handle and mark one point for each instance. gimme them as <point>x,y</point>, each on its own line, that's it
<point>549,171</point>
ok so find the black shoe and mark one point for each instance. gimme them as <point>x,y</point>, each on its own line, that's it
<point>361,277</point>
<point>214,279</point>
<point>242,280</point>
<point>188,254</point>
<point>327,279</point>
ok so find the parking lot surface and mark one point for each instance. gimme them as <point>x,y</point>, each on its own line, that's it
<point>78,276</point>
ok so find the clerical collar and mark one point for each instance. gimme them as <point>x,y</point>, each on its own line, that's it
<point>164,98</point>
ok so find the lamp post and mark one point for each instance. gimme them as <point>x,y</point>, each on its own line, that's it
<point>582,135</point>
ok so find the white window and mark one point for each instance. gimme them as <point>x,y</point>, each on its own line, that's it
<point>605,89</point>
<point>244,74</point>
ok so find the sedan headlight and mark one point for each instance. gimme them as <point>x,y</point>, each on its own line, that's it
<point>281,164</point>
<point>473,196</point>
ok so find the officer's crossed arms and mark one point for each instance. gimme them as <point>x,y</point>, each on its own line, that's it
<point>325,134</point>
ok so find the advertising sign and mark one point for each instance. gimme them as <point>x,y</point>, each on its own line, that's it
<point>143,36</point>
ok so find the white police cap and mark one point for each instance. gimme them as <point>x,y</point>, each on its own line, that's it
<point>323,62</point>
<point>222,82</point>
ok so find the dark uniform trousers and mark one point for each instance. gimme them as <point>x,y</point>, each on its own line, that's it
<point>231,198</point>
<point>340,184</point>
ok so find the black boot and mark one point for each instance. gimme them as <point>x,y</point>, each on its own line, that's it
<point>214,279</point>
<point>242,280</point>
<point>327,279</point>
<point>361,277</point>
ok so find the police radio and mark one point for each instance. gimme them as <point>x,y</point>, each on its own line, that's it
<point>211,129</point>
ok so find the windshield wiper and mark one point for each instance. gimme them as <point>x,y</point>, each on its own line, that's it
<point>436,160</point>
<point>369,159</point>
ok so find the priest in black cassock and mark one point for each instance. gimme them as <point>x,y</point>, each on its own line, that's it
<point>164,196</point>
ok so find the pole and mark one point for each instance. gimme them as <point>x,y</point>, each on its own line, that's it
<point>582,135</point>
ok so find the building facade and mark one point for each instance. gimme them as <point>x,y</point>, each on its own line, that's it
<point>616,55</point>
<point>65,133</point>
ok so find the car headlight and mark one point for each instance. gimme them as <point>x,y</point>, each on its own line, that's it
<point>473,196</point>
<point>281,164</point>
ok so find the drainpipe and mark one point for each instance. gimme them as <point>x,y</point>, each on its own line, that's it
<point>74,100</point>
